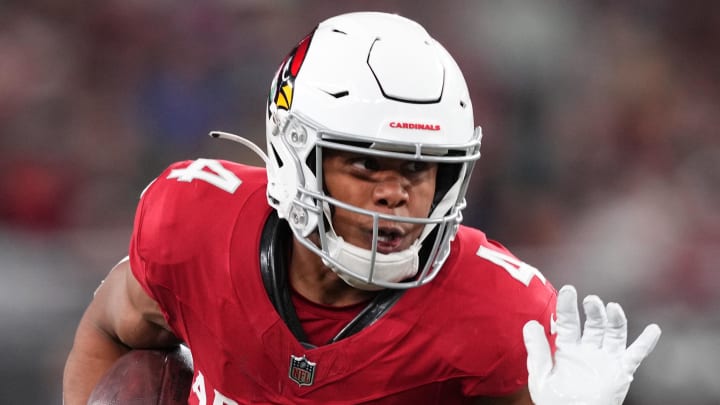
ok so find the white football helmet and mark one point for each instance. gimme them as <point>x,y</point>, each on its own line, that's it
<point>377,84</point>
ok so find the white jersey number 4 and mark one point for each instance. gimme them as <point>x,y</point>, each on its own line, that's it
<point>519,270</point>
<point>208,170</point>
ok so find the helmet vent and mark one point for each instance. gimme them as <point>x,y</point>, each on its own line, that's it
<point>339,94</point>
<point>278,159</point>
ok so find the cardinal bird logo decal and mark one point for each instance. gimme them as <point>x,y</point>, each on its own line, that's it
<point>281,91</point>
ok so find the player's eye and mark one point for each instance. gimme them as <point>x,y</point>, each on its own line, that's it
<point>416,167</point>
<point>366,163</point>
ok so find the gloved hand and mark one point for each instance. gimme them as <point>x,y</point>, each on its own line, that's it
<point>593,369</point>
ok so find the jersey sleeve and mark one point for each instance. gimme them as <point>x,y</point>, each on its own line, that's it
<point>143,261</point>
<point>510,372</point>
<point>509,294</point>
<point>183,227</point>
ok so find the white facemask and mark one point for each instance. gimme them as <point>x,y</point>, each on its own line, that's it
<point>391,267</point>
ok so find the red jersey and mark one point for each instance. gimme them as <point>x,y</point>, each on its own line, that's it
<point>195,250</point>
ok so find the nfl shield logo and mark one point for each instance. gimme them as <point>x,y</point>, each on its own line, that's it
<point>301,371</point>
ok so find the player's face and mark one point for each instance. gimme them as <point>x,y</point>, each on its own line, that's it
<point>388,186</point>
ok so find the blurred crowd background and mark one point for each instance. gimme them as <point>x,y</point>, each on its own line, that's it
<point>601,155</point>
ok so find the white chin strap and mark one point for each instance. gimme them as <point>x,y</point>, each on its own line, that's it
<point>391,267</point>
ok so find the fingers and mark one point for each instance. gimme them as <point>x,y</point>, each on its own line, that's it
<point>539,360</point>
<point>596,320</point>
<point>616,331</point>
<point>605,328</point>
<point>568,317</point>
<point>641,347</point>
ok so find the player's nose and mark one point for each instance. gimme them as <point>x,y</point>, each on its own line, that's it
<point>391,191</point>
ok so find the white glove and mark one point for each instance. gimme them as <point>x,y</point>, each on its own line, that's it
<point>595,369</point>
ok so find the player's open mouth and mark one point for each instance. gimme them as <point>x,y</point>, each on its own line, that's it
<point>390,239</point>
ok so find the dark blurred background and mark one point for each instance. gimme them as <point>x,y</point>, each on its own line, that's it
<point>601,156</point>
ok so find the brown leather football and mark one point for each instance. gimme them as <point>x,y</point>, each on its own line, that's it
<point>146,377</point>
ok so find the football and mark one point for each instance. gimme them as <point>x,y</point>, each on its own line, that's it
<point>146,377</point>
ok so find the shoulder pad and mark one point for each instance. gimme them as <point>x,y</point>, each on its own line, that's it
<point>193,204</point>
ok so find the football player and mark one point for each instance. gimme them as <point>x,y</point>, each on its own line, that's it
<point>340,272</point>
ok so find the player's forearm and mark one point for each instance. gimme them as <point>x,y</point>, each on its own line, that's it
<point>92,354</point>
